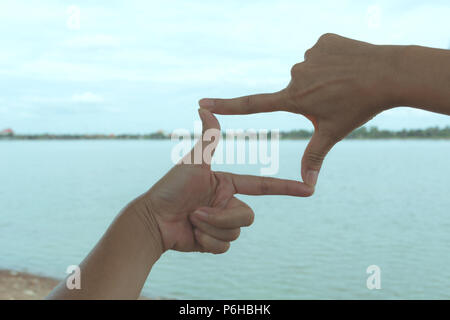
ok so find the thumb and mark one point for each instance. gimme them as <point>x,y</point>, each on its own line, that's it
<point>315,153</point>
<point>209,121</point>
<point>204,148</point>
<point>256,103</point>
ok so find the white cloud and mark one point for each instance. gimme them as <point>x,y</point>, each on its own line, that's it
<point>162,70</point>
<point>43,100</point>
<point>87,97</point>
<point>92,41</point>
<point>138,53</point>
<point>30,11</point>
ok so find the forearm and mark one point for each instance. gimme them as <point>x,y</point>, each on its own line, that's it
<point>119,264</point>
<point>421,78</point>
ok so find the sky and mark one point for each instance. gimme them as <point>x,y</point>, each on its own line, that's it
<point>141,66</point>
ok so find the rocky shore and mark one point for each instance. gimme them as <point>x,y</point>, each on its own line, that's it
<point>16,285</point>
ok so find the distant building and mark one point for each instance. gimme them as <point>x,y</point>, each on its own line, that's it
<point>7,133</point>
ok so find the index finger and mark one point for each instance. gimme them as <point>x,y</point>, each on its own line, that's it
<point>266,102</point>
<point>256,185</point>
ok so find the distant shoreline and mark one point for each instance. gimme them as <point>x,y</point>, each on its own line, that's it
<point>165,139</point>
<point>363,133</point>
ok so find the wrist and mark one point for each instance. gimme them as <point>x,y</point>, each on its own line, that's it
<point>392,71</point>
<point>411,73</point>
<point>141,215</point>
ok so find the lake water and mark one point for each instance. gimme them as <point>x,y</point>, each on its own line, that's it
<point>384,203</point>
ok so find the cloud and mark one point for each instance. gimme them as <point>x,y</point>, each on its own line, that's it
<point>167,55</point>
<point>87,97</point>
<point>92,41</point>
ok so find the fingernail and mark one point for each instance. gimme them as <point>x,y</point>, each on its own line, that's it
<point>201,214</point>
<point>206,103</point>
<point>311,177</point>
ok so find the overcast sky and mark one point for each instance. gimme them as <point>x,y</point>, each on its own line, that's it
<point>140,66</point>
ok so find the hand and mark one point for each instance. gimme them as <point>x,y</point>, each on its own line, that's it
<point>341,85</point>
<point>195,207</point>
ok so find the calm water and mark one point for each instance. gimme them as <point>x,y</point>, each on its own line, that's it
<point>378,202</point>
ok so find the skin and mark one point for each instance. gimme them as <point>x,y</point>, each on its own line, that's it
<point>343,83</point>
<point>192,208</point>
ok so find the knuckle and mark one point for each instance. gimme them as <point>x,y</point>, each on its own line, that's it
<point>264,186</point>
<point>235,234</point>
<point>308,53</point>
<point>219,103</point>
<point>326,36</point>
<point>315,158</point>
<point>247,103</point>
<point>296,68</point>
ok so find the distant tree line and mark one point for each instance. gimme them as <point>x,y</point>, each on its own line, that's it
<point>360,133</point>
<point>375,133</point>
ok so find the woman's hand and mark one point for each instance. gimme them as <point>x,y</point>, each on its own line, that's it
<point>195,207</point>
<point>190,209</point>
<point>342,84</point>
